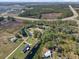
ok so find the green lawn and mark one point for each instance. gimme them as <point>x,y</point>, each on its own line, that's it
<point>31,40</point>
<point>18,54</point>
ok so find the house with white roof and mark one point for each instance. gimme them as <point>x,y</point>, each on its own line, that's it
<point>47,54</point>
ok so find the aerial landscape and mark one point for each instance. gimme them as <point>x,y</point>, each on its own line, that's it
<point>42,29</point>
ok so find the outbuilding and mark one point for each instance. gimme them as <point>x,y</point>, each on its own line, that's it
<point>13,39</point>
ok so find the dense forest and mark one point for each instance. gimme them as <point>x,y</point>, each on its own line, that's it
<point>36,11</point>
<point>60,34</point>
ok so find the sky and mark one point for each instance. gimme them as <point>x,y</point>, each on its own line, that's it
<point>39,0</point>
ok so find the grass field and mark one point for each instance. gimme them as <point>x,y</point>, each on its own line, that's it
<point>7,31</point>
<point>19,53</point>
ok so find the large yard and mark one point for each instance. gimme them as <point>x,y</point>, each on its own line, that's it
<point>19,52</point>
<point>31,40</point>
<point>8,30</point>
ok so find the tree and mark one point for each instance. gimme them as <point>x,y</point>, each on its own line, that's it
<point>50,44</point>
<point>1,18</point>
<point>77,49</point>
<point>40,16</point>
<point>37,34</point>
<point>13,19</point>
<point>23,32</point>
<point>10,18</point>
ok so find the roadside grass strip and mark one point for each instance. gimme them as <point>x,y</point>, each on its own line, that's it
<point>19,54</point>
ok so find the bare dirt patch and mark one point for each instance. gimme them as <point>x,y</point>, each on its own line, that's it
<point>51,15</point>
<point>8,30</point>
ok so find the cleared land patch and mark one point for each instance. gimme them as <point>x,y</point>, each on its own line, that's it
<point>51,15</point>
<point>8,30</point>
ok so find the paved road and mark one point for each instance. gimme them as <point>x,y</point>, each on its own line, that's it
<point>75,14</point>
<point>15,49</point>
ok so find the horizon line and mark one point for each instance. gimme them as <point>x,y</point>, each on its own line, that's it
<point>37,2</point>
